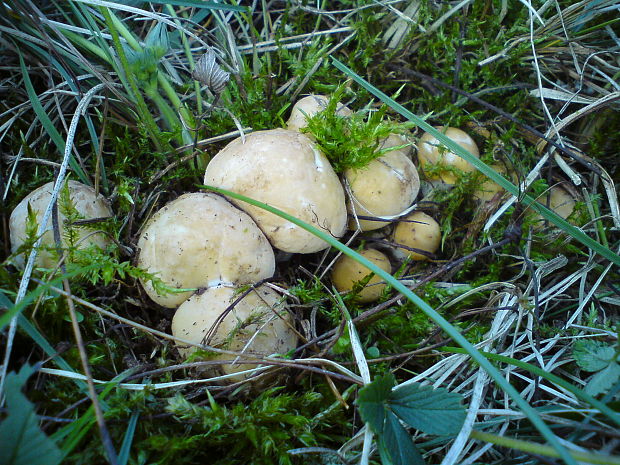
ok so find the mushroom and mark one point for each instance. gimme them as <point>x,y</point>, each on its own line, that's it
<point>558,200</point>
<point>257,324</point>
<point>87,204</point>
<point>489,188</point>
<point>286,170</point>
<point>417,231</point>
<point>386,187</point>
<point>432,152</point>
<point>309,106</point>
<point>347,272</point>
<point>201,240</point>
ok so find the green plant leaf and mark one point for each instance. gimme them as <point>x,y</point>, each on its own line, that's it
<point>433,411</point>
<point>603,380</point>
<point>372,399</point>
<point>593,355</point>
<point>21,440</point>
<point>396,446</point>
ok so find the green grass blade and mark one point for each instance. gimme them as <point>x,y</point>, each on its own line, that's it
<point>540,449</point>
<point>579,393</point>
<point>123,455</point>
<point>47,122</point>
<point>428,310</point>
<point>483,168</point>
<point>201,4</point>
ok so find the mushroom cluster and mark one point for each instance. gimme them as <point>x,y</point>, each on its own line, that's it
<point>206,250</point>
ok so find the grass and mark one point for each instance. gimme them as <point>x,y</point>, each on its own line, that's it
<point>103,93</point>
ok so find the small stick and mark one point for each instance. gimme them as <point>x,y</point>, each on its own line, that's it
<point>103,430</point>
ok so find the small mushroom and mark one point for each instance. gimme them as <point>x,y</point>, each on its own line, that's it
<point>258,324</point>
<point>201,240</point>
<point>432,152</point>
<point>386,187</point>
<point>286,170</point>
<point>559,201</point>
<point>347,272</point>
<point>309,106</point>
<point>417,231</point>
<point>489,189</point>
<point>87,204</point>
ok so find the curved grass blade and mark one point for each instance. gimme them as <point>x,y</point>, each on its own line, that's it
<point>123,455</point>
<point>202,5</point>
<point>47,122</point>
<point>427,309</point>
<point>540,449</point>
<point>483,168</point>
<point>579,393</point>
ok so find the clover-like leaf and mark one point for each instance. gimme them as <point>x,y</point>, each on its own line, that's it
<point>21,440</point>
<point>603,380</point>
<point>433,411</point>
<point>396,446</point>
<point>593,355</point>
<point>372,399</point>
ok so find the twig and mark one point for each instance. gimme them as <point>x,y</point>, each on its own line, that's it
<point>103,430</point>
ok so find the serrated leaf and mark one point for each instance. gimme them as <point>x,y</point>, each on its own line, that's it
<point>603,380</point>
<point>396,446</point>
<point>371,401</point>
<point>593,355</point>
<point>21,440</point>
<point>433,411</point>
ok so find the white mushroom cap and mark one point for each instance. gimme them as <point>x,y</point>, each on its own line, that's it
<point>432,152</point>
<point>87,203</point>
<point>347,272</point>
<point>286,170</point>
<point>200,240</point>
<point>417,231</point>
<point>259,324</point>
<point>386,187</point>
<point>309,106</point>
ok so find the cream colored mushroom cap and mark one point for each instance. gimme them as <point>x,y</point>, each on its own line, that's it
<point>87,203</point>
<point>309,106</point>
<point>259,324</point>
<point>559,200</point>
<point>387,186</point>
<point>285,170</point>
<point>200,240</point>
<point>397,140</point>
<point>432,152</point>
<point>488,189</point>
<point>347,272</point>
<point>418,231</point>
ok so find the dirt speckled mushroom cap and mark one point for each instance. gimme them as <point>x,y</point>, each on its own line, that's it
<point>285,170</point>
<point>387,186</point>
<point>433,152</point>
<point>309,106</point>
<point>417,231</point>
<point>200,240</point>
<point>347,272</point>
<point>258,324</point>
<point>88,205</point>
